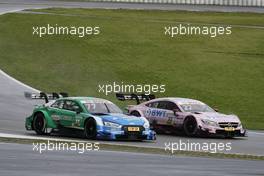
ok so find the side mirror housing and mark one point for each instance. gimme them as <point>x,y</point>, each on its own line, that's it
<point>216,109</point>
<point>175,112</point>
<point>78,111</point>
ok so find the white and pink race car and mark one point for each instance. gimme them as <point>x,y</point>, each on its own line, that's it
<point>193,117</point>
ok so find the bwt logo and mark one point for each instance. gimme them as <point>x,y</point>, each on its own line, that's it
<point>155,113</point>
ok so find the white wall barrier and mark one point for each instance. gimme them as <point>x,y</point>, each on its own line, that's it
<point>248,3</point>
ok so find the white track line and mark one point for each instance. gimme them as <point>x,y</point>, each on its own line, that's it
<point>18,82</point>
<point>254,132</point>
<point>11,11</point>
<point>52,138</point>
<point>8,76</point>
<point>15,136</point>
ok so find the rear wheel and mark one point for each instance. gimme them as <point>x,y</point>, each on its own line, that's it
<point>153,125</point>
<point>190,126</point>
<point>39,124</point>
<point>90,131</point>
<point>135,113</point>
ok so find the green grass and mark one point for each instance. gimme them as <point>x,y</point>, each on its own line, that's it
<point>226,72</point>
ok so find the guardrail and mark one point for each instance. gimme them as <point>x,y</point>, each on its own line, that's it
<point>246,3</point>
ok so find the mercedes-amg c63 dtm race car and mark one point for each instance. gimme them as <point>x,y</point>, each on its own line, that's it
<point>193,117</point>
<point>97,118</point>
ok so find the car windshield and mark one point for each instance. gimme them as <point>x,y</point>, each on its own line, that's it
<point>102,108</point>
<point>196,107</point>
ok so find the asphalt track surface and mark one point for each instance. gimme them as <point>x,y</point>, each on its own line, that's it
<point>14,107</point>
<point>16,159</point>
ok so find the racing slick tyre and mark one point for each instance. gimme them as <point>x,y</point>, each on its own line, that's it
<point>190,126</point>
<point>90,131</point>
<point>39,124</point>
<point>155,127</point>
<point>135,113</point>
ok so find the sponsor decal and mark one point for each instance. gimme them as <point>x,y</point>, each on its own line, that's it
<point>156,113</point>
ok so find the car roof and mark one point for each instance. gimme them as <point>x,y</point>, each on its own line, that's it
<point>178,100</point>
<point>87,99</point>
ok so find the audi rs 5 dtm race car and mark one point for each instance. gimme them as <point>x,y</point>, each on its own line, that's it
<point>97,118</point>
<point>192,116</point>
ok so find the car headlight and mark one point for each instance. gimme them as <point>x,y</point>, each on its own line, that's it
<point>209,122</point>
<point>112,125</point>
<point>146,125</point>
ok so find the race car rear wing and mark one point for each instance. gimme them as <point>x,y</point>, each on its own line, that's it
<point>137,97</point>
<point>45,96</point>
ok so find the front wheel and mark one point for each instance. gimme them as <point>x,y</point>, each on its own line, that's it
<point>39,124</point>
<point>90,131</point>
<point>190,126</point>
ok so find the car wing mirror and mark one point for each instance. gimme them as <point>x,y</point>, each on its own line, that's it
<point>175,111</point>
<point>78,111</point>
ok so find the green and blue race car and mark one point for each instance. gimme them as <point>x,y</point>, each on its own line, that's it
<point>97,118</point>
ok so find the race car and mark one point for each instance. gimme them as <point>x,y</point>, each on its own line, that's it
<point>95,117</point>
<point>193,117</point>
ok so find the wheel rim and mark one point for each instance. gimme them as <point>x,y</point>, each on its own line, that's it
<point>39,123</point>
<point>90,130</point>
<point>191,126</point>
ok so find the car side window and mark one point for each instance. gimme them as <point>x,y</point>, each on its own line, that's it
<point>57,104</point>
<point>152,105</point>
<point>167,105</point>
<point>171,106</point>
<point>162,105</point>
<point>71,105</point>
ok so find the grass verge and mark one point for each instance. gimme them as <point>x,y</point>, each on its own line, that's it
<point>226,71</point>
